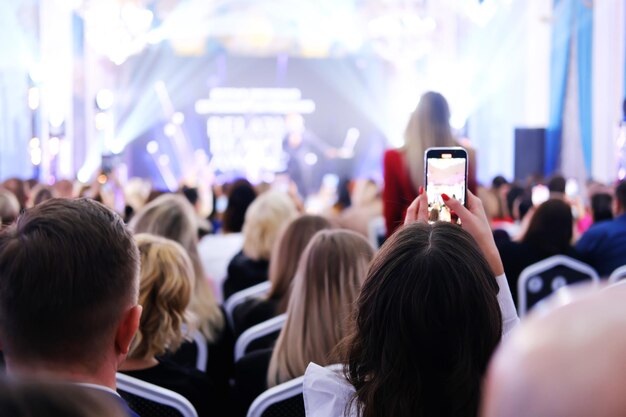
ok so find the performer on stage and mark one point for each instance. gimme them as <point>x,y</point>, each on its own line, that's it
<point>302,150</point>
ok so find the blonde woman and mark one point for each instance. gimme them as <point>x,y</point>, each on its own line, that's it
<point>172,216</point>
<point>264,219</point>
<point>329,278</point>
<point>403,169</point>
<point>284,261</point>
<point>165,289</point>
<point>330,273</point>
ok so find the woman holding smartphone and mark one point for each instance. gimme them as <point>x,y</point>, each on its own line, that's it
<point>403,168</point>
<point>432,310</point>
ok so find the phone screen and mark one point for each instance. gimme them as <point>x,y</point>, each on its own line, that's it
<point>446,173</point>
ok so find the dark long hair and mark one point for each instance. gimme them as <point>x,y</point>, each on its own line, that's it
<point>241,194</point>
<point>427,322</point>
<point>550,229</point>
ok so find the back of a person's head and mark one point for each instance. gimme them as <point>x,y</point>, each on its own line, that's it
<point>556,184</point>
<point>68,271</point>
<point>240,195</point>
<point>327,282</point>
<point>601,207</point>
<point>551,227</point>
<point>64,189</point>
<point>513,199</point>
<point>39,194</point>
<point>191,194</point>
<point>498,181</point>
<point>428,126</point>
<point>620,196</point>
<point>286,254</point>
<point>564,361</point>
<point>9,207</point>
<point>427,322</point>
<point>264,219</point>
<point>17,186</point>
<point>165,288</point>
<point>26,398</point>
<point>171,216</point>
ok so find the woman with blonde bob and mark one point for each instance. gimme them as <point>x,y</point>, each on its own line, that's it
<point>264,219</point>
<point>172,216</point>
<point>165,288</point>
<point>328,280</point>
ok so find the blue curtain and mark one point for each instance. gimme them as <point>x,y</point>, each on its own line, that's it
<point>570,18</point>
<point>559,59</point>
<point>584,33</point>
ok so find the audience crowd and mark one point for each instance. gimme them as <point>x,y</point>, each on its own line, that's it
<point>424,325</point>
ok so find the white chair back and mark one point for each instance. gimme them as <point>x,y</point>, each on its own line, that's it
<point>239,297</point>
<point>202,349</point>
<point>256,332</point>
<point>158,401</point>
<point>282,400</point>
<point>617,275</point>
<point>541,279</point>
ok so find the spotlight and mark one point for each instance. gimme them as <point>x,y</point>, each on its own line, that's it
<point>104,99</point>
<point>35,156</point>
<point>152,147</point>
<point>169,130</point>
<point>164,160</point>
<point>54,146</point>
<point>101,121</point>
<point>310,158</point>
<point>33,98</point>
<point>178,118</point>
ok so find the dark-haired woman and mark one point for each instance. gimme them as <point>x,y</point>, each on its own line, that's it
<point>549,233</point>
<point>433,308</point>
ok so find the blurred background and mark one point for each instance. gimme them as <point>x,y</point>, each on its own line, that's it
<point>177,90</point>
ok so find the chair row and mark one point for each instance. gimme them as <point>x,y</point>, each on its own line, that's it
<point>539,280</point>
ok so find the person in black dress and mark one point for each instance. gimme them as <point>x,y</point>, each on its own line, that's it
<point>264,219</point>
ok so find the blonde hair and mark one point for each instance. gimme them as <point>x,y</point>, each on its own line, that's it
<point>165,288</point>
<point>429,126</point>
<point>328,280</point>
<point>264,219</point>
<point>173,217</point>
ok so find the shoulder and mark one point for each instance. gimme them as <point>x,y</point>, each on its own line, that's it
<point>253,311</point>
<point>600,229</point>
<point>326,392</point>
<point>392,155</point>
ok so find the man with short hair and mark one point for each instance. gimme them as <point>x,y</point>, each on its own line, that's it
<point>603,246</point>
<point>68,293</point>
<point>568,362</point>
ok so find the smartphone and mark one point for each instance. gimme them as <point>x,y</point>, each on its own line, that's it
<point>445,172</point>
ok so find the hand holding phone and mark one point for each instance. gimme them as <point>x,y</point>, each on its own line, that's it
<point>445,172</point>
